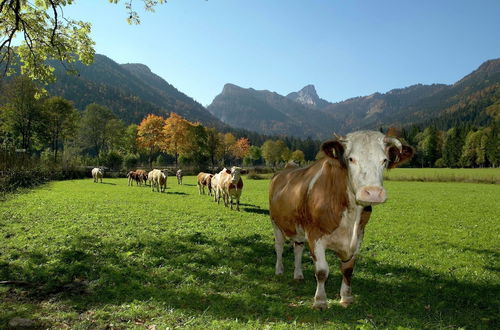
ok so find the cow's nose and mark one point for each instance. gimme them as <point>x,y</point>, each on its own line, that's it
<point>371,195</point>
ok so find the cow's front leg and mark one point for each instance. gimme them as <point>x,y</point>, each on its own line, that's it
<point>346,268</point>
<point>298,249</point>
<point>321,269</point>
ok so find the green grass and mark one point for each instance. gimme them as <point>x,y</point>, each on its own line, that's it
<point>108,255</point>
<point>475,175</point>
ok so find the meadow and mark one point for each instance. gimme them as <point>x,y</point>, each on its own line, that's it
<point>89,256</point>
<point>475,175</point>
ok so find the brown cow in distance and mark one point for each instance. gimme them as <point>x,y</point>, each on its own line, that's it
<point>205,180</point>
<point>329,203</point>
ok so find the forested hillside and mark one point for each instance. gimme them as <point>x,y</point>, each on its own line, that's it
<point>131,91</point>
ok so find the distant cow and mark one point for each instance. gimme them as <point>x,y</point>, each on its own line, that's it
<point>97,173</point>
<point>142,176</point>
<point>204,180</point>
<point>178,174</point>
<point>139,176</point>
<point>158,179</point>
<point>216,188</point>
<point>231,185</point>
<point>329,203</point>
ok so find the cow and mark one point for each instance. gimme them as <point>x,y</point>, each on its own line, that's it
<point>216,188</point>
<point>158,179</point>
<point>204,180</point>
<point>97,173</point>
<point>179,175</point>
<point>132,176</point>
<point>142,176</point>
<point>329,203</point>
<point>231,185</point>
<point>139,176</point>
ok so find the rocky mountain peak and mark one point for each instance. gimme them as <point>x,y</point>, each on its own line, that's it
<point>308,97</point>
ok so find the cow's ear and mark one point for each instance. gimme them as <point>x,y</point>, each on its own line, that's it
<point>397,158</point>
<point>333,149</point>
<point>243,171</point>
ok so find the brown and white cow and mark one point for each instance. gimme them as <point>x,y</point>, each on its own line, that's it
<point>231,186</point>
<point>329,203</point>
<point>205,180</point>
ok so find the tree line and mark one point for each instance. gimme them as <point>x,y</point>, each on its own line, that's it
<point>49,129</point>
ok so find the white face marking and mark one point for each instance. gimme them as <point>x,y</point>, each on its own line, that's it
<point>366,159</point>
<point>235,174</point>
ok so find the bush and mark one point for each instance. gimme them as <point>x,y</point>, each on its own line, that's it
<point>112,160</point>
<point>440,163</point>
<point>130,161</point>
<point>253,175</point>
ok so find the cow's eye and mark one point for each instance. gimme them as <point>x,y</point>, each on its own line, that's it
<point>385,161</point>
<point>351,159</point>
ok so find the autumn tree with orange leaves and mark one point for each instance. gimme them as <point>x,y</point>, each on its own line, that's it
<point>241,148</point>
<point>150,135</point>
<point>175,136</point>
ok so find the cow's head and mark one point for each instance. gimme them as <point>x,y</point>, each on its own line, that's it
<point>366,154</point>
<point>235,174</point>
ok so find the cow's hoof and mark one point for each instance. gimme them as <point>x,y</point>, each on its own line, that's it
<point>298,277</point>
<point>346,301</point>
<point>320,305</point>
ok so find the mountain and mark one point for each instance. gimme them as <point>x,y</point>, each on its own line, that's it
<point>304,113</point>
<point>308,97</point>
<point>267,113</point>
<point>131,90</point>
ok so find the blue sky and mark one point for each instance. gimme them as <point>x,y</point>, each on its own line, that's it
<point>346,48</point>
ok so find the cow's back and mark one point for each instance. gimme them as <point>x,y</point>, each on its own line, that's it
<point>312,198</point>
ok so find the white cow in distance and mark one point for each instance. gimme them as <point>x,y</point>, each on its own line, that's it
<point>158,179</point>
<point>97,173</point>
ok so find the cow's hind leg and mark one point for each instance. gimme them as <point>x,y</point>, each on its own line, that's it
<point>298,249</point>
<point>346,297</point>
<point>321,269</point>
<point>279,242</point>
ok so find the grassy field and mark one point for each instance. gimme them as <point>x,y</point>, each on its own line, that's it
<point>112,256</point>
<point>476,175</point>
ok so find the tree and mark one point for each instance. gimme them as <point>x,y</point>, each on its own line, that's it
<point>228,142</point>
<point>452,148</point>
<point>22,112</point>
<point>298,156</point>
<point>61,121</point>
<point>198,149</point>
<point>272,151</point>
<point>175,136</point>
<point>254,154</point>
<point>286,154</point>
<point>47,34</point>
<point>94,127</point>
<point>428,145</point>
<point>130,139</point>
<point>470,149</point>
<point>214,145</point>
<point>150,135</point>
<point>241,148</point>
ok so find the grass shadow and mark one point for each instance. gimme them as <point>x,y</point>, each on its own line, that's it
<point>235,277</point>
<point>256,210</point>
